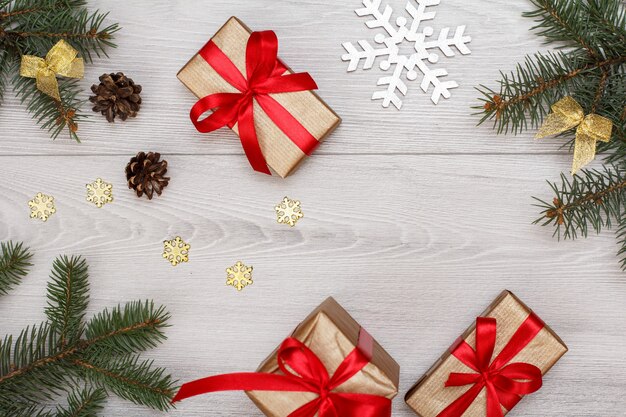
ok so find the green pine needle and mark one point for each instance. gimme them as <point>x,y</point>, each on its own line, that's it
<point>590,66</point>
<point>32,27</point>
<point>135,327</point>
<point>590,201</point>
<point>68,297</point>
<point>14,265</point>
<point>87,402</point>
<point>49,359</point>
<point>131,378</point>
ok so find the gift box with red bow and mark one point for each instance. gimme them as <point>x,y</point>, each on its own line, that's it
<point>497,361</point>
<point>328,367</point>
<point>238,77</point>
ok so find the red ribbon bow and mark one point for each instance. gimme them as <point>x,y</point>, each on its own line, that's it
<point>505,382</point>
<point>265,76</point>
<point>304,372</point>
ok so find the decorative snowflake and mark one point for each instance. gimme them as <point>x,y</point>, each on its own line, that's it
<point>239,276</point>
<point>176,251</point>
<point>42,207</point>
<point>395,35</point>
<point>99,192</point>
<point>289,212</point>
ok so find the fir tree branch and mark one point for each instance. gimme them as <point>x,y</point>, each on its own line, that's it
<point>23,8</point>
<point>608,18</point>
<point>32,27</point>
<point>84,403</point>
<point>130,378</point>
<point>7,64</point>
<point>30,368</point>
<point>84,30</point>
<point>53,116</point>
<point>13,407</point>
<point>68,298</point>
<point>529,92</point>
<point>599,90</point>
<point>136,327</point>
<point>112,340</point>
<point>621,240</point>
<point>564,21</point>
<point>14,265</point>
<point>593,199</point>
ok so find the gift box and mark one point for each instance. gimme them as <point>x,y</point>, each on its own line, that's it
<point>329,366</point>
<point>331,333</point>
<point>514,350</point>
<point>285,123</point>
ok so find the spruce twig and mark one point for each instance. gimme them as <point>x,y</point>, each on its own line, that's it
<point>48,359</point>
<point>590,66</point>
<point>14,265</point>
<point>32,27</point>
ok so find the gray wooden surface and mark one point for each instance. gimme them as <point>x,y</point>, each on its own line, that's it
<point>414,220</point>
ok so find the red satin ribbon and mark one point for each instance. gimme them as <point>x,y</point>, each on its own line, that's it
<point>304,372</point>
<point>265,76</point>
<point>505,382</point>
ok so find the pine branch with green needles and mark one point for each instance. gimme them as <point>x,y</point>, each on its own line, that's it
<point>68,353</point>
<point>68,297</point>
<point>84,403</point>
<point>589,201</point>
<point>14,265</point>
<point>590,66</point>
<point>32,27</point>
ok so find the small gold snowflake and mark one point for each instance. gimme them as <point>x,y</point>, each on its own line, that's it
<point>239,276</point>
<point>289,212</point>
<point>99,192</point>
<point>176,251</point>
<point>42,207</point>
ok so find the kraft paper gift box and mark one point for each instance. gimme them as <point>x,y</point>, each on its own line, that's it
<point>429,396</point>
<point>331,333</point>
<point>328,366</point>
<point>280,152</point>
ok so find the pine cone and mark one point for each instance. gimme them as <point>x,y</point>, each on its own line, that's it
<point>116,95</point>
<point>145,174</point>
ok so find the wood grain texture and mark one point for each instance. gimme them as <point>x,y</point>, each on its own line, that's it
<point>414,220</point>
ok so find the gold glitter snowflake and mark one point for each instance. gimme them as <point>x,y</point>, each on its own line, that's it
<point>289,212</point>
<point>239,276</point>
<point>99,192</point>
<point>42,207</point>
<point>176,251</point>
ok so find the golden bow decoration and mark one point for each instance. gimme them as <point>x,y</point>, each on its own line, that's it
<point>567,114</point>
<point>60,60</point>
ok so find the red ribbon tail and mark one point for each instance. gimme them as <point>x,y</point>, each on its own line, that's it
<point>247,381</point>
<point>461,404</point>
<point>494,409</point>
<point>249,139</point>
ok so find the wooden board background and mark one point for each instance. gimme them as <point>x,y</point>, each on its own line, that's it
<point>415,219</point>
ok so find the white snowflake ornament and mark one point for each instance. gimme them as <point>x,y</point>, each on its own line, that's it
<point>427,50</point>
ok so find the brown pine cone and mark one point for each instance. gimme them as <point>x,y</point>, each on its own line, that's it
<point>145,174</point>
<point>116,95</point>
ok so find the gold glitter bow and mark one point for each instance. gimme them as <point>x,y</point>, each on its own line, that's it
<point>60,60</point>
<point>567,114</point>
